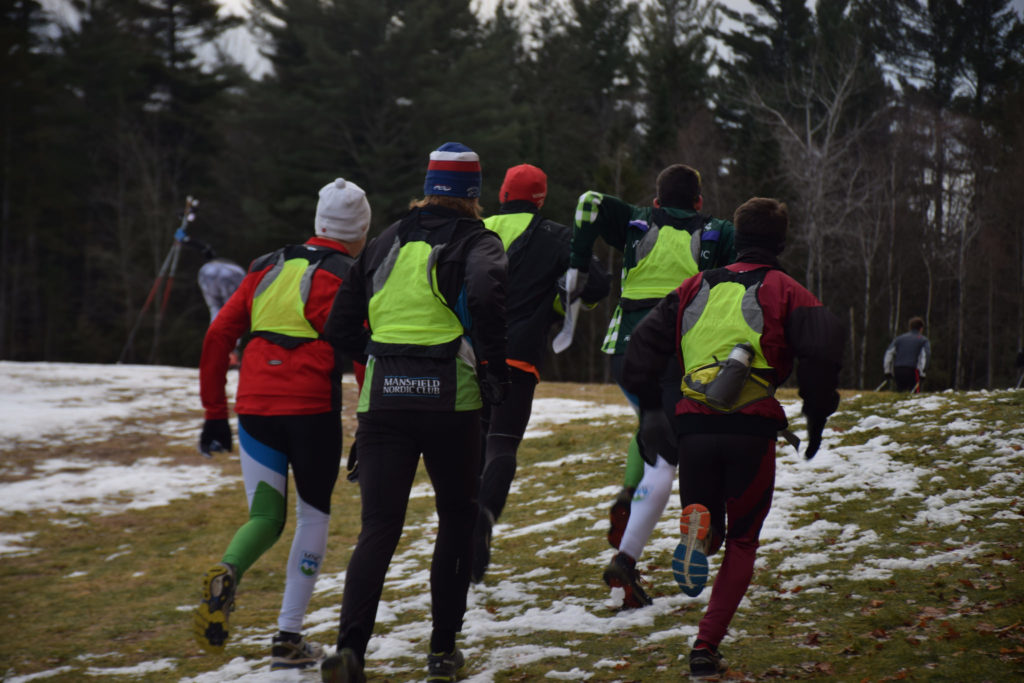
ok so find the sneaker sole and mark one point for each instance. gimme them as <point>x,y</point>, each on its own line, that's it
<point>689,563</point>
<point>279,663</point>
<point>280,666</point>
<point>210,619</point>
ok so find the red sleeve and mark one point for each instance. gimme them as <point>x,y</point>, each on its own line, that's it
<point>360,372</point>
<point>321,298</point>
<point>779,296</point>
<point>231,323</point>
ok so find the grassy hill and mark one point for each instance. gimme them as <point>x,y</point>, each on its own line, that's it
<point>895,554</point>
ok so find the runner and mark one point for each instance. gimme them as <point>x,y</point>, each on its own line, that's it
<point>289,414</point>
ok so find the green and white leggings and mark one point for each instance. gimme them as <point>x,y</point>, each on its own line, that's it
<point>268,444</point>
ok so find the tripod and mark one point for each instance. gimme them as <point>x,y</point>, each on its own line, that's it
<point>165,279</point>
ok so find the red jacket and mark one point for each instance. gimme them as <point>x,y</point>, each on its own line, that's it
<point>796,327</point>
<point>273,380</point>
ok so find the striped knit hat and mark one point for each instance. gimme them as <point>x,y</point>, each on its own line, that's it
<point>454,170</point>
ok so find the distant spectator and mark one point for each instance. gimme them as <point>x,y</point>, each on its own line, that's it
<point>218,278</point>
<point>907,357</point>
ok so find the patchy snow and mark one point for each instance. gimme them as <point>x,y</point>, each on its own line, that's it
<point>61,403</point>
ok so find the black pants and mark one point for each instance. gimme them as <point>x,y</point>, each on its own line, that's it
<point>670,381</point>
<point>312,444</point>
<point>504,427</point>
<point>389,445</point>
<point>906,378</point>
<point>733,475</point>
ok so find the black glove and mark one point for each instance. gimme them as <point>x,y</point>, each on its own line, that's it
<point>494,383</point>
<point>568,296</point>
<point>216,436</point>
<point>815,426</point>
<point>353,464</point>
<point>656,435</point>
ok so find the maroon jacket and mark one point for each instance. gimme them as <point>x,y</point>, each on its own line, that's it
<point>796,327</point>
<point>273,380</point>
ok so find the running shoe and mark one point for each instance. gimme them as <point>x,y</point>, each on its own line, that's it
<point>621,572</point>
<point>444,666</point>
<point>288,653</point>
<point>210,619</point>
<point>690,561</point>
<point>706,663</point>
<point>342,667</point>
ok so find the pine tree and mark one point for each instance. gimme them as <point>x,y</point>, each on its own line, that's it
<point>365,90</point>
<point>675,61</point>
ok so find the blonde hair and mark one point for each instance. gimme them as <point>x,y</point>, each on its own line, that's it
<point>464,205</point>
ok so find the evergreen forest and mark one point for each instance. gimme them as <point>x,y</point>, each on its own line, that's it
<point>893,129</point>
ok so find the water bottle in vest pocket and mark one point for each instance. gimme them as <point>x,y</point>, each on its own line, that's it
<point>723,391</point>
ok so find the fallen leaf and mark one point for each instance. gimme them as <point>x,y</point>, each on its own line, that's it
<point>951,633</point>
<point>1011,627</point>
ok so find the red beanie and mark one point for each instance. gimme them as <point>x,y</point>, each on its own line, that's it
<point>524,182</point>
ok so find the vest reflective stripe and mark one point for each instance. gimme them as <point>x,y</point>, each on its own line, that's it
<point>279,304</point>
<point>721,315</point>
<point>665,257</point>
<point>406,306</point>
<point>509,226</point>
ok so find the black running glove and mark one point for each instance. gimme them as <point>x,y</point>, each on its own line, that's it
<point>216,436</point>
<point>656,435</point>
<point>815,426</point>
<point>353,464</point>
<point>494,383</point>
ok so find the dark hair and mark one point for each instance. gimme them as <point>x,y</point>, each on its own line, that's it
<point>464,205</point>
<point>916,323</point>
<point>678,186</point>
<point>762,218</point>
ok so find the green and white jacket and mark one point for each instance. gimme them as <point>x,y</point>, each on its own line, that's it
<point>660,248</point>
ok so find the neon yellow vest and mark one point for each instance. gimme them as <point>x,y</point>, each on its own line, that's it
<point>509,226</point>
<point>407,307</point>
<point>279,304</point>
<point>722,314</point>
<point>665,257</point>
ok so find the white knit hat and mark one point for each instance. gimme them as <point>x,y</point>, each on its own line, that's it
<point>342,212</point>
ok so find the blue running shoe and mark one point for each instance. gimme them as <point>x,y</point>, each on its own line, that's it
<point>690,560</point>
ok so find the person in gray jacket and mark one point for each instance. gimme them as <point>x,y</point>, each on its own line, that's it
<point>907,357</point>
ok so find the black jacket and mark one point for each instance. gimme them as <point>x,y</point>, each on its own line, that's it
<point>473,263</point>
<point>536,261</point>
